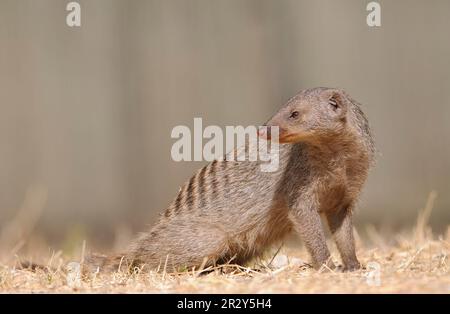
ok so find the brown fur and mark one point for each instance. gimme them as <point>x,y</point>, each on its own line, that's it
<point>231,209</point>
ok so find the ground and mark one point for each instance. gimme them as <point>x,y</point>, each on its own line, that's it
<point>414,261</point>
<point>411,264</point>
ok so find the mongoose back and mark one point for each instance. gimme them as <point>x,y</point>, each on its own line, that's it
<point>233,210</point>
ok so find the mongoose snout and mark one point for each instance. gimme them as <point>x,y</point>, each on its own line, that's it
<point>230,210</point>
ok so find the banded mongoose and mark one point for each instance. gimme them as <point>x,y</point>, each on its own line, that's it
<point>231,209</point>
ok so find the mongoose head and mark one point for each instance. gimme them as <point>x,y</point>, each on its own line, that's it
<point>311,115</point>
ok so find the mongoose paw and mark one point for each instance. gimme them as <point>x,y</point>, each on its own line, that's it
<point>349,267</point>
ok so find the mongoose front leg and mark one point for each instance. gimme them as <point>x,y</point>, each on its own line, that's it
<point>308,225</point>
<point>341,227</point>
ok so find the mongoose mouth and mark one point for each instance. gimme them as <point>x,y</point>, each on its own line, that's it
<point>288,138</point>
<point>284,136</point>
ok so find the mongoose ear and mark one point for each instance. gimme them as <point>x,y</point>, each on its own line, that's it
<point>337,101</point>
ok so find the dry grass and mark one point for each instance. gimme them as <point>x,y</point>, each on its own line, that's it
<point>411,262</point>
<point>404,268</point>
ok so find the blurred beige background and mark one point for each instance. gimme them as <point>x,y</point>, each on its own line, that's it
<point>86,113</point>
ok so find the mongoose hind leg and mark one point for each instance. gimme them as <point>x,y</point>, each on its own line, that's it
<point>341,227</point>
<point>181,244</point>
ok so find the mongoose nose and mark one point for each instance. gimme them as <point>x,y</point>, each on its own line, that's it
<point>264,132</point>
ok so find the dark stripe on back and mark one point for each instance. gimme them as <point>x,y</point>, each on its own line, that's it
<point>190,196</point>
<point>225,173</point>
<point>168,211</point>
<point>201,186</point>
<point>213,177</point>
<point>177,204</point>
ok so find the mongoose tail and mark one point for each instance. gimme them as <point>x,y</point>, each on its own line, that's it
<point>113,263</point>
<point>92,264</point>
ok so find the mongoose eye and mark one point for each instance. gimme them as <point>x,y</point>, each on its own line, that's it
<point>294,115</point>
